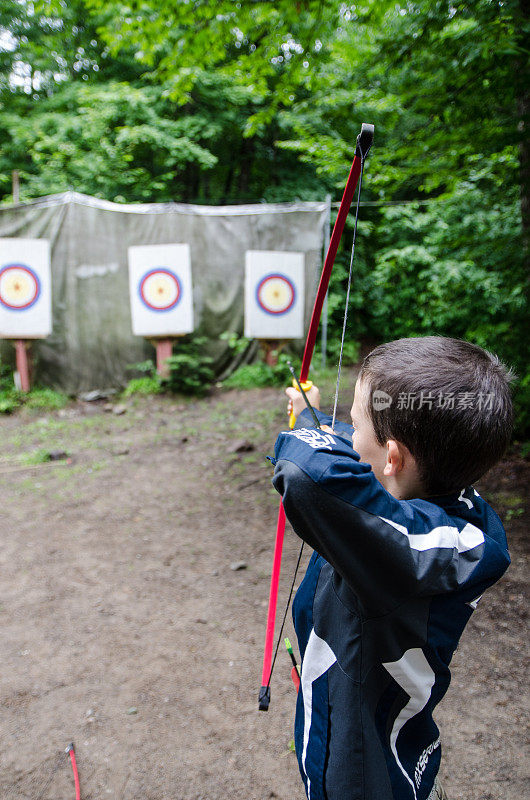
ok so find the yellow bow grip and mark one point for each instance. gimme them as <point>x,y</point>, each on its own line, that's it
<point>306,385</point>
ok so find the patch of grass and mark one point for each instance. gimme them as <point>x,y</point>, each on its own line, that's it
<point>9,401</point>
<point>39,398</point>
<point>150,384</point>
<point>40,456</point>
<point>252,376</point>
<point>45,398</point>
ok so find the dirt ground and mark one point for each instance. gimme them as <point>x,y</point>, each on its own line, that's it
<point>126,628</point>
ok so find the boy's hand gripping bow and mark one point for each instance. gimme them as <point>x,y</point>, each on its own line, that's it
<point>364,142</point>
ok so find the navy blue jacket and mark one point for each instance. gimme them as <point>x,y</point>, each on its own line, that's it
<point>387,594</point>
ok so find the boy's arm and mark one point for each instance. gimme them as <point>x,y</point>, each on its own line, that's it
<point>387,550</point>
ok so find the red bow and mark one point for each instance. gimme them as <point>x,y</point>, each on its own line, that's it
<point>364,142</point>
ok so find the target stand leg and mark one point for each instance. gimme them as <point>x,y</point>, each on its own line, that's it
<point>271,350</point>
<point>23,365</point>
<point>164,350</point>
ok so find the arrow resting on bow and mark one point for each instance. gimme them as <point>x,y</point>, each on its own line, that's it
<point>364,142</point>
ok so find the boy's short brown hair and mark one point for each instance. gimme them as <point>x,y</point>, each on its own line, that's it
<point>447,400</point>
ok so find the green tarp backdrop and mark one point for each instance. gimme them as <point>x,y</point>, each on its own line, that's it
<point>92,341</point>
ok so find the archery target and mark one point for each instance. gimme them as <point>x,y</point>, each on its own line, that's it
<point>25,288</point>
<point>274,294</point>
<point>160,289</point>
<point>19,286</point>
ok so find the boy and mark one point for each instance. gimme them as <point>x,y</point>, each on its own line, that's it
<point>404,548</point>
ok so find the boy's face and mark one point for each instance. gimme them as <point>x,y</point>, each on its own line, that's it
<point>364,440</point>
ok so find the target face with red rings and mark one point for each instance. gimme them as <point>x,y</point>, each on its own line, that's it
<point>160,289</point>
<point>19,287</point>
<point>276,294</point>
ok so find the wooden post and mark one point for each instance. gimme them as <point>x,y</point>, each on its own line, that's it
<point>271,349</point>
<point>164,349</point>
<point>23,364</point>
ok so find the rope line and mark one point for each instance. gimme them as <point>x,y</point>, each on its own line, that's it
<point>339,370</point>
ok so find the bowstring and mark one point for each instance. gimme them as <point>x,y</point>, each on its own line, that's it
<point>336,400</point>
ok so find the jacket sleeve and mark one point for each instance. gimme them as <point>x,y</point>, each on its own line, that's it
<point>387,550</point>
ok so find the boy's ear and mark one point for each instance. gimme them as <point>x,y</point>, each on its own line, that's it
<point>394,458</point>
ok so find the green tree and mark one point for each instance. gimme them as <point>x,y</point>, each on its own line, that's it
<point>230,101</point>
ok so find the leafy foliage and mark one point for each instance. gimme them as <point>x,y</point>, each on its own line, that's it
<point>42,397</point>
<point>6,377</point>
<point>191,371</point>
<point>39,397</point>
<point>9,397</point>
<point>9,401</point>
<point>260,374</point>
<point>150,384</point>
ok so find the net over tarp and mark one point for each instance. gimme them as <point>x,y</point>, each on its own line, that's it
<point>92,341</point>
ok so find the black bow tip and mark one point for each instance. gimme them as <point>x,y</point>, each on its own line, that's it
<point>264,698</point>
<point>364,140</point>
